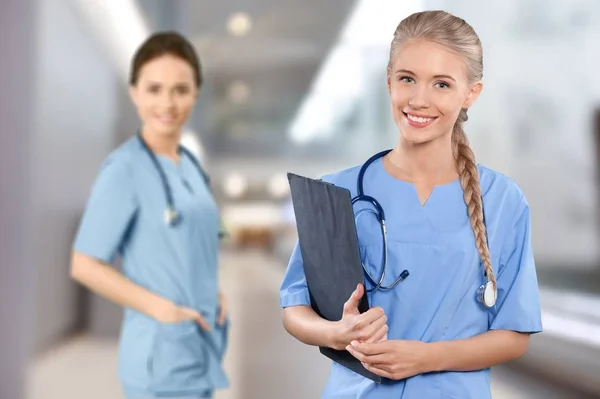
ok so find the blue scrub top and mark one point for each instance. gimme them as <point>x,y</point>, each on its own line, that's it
<point>437,301</point>
<point>124,217</point>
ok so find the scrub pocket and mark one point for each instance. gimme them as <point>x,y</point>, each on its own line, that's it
<point>187,359</point>
<point>220,339</point>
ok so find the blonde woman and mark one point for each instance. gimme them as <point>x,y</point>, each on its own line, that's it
<point>460,292</point>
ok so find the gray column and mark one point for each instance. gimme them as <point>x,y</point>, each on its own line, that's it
<point>17,46</point>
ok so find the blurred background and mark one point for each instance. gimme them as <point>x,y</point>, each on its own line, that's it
<point>291,86</point>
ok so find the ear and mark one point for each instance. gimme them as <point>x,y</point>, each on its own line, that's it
<point>473,94</point>
<point>133,94</point>
<point>389,81</point>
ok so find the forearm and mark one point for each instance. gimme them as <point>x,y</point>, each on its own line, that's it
<point>113,285</point>
<point>303,323</point>
<point>486,350</point>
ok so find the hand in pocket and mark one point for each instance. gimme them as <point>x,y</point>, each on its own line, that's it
<point>178,314</point>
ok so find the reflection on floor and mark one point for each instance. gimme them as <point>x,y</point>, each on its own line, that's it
<point>263,361</point>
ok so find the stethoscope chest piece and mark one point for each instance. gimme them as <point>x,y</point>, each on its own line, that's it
<point>487,294</point>
<point>171,216</point>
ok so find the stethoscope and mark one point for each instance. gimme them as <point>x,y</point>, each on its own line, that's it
<point>171,216</point>
<point>485,293</point>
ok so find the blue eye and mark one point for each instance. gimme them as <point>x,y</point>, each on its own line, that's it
<point>442,85</point>
<point>406,79</point>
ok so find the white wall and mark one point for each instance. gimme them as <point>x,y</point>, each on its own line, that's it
<point>17,46</point>
<point>75,115</point>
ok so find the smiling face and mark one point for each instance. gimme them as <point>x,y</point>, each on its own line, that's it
<point>165,94</point>
<point>428,86</point>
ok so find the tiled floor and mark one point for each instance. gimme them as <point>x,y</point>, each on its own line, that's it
<point>263,361</point>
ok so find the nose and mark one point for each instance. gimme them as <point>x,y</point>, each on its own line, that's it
<point>166,99</point>
<point>419,97</point>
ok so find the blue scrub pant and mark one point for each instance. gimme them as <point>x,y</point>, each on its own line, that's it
<point>132,393</point>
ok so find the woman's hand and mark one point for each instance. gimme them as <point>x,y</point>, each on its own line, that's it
<point>177,314</point>
<point>393,359</point>
<point>223,309</point>
<point>366,327</point>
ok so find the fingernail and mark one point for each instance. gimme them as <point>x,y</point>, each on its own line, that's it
<point>354,343</point>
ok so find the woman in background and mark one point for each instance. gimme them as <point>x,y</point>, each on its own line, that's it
<point>152,206</point>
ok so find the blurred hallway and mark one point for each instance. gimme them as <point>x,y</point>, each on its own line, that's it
<point>277,99</point>
<point>263,361</point>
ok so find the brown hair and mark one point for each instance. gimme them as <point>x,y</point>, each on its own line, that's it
<point>458,36</point>
<point>165,43</point>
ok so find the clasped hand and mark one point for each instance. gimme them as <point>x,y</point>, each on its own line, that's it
<point>365,337</point>
<point>393,359</point>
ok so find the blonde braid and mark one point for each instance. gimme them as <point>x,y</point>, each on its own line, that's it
<point>458,36</point>
<point>469,180</point>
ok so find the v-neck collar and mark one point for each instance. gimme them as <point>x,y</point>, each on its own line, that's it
<point>437,190</point>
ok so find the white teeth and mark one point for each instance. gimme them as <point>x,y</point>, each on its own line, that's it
<point>418,119</point>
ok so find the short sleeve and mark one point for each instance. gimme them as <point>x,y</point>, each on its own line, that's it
<point>294,291</point>
<point>108,213</point>
<point>518,304</point>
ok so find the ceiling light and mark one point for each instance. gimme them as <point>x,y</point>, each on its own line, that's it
<point>278,186</point>
<point>238,92</point>
<point>235,185</point>
<point>239,24</point>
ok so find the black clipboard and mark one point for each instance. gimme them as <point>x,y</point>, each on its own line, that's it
<point>331,257</point>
